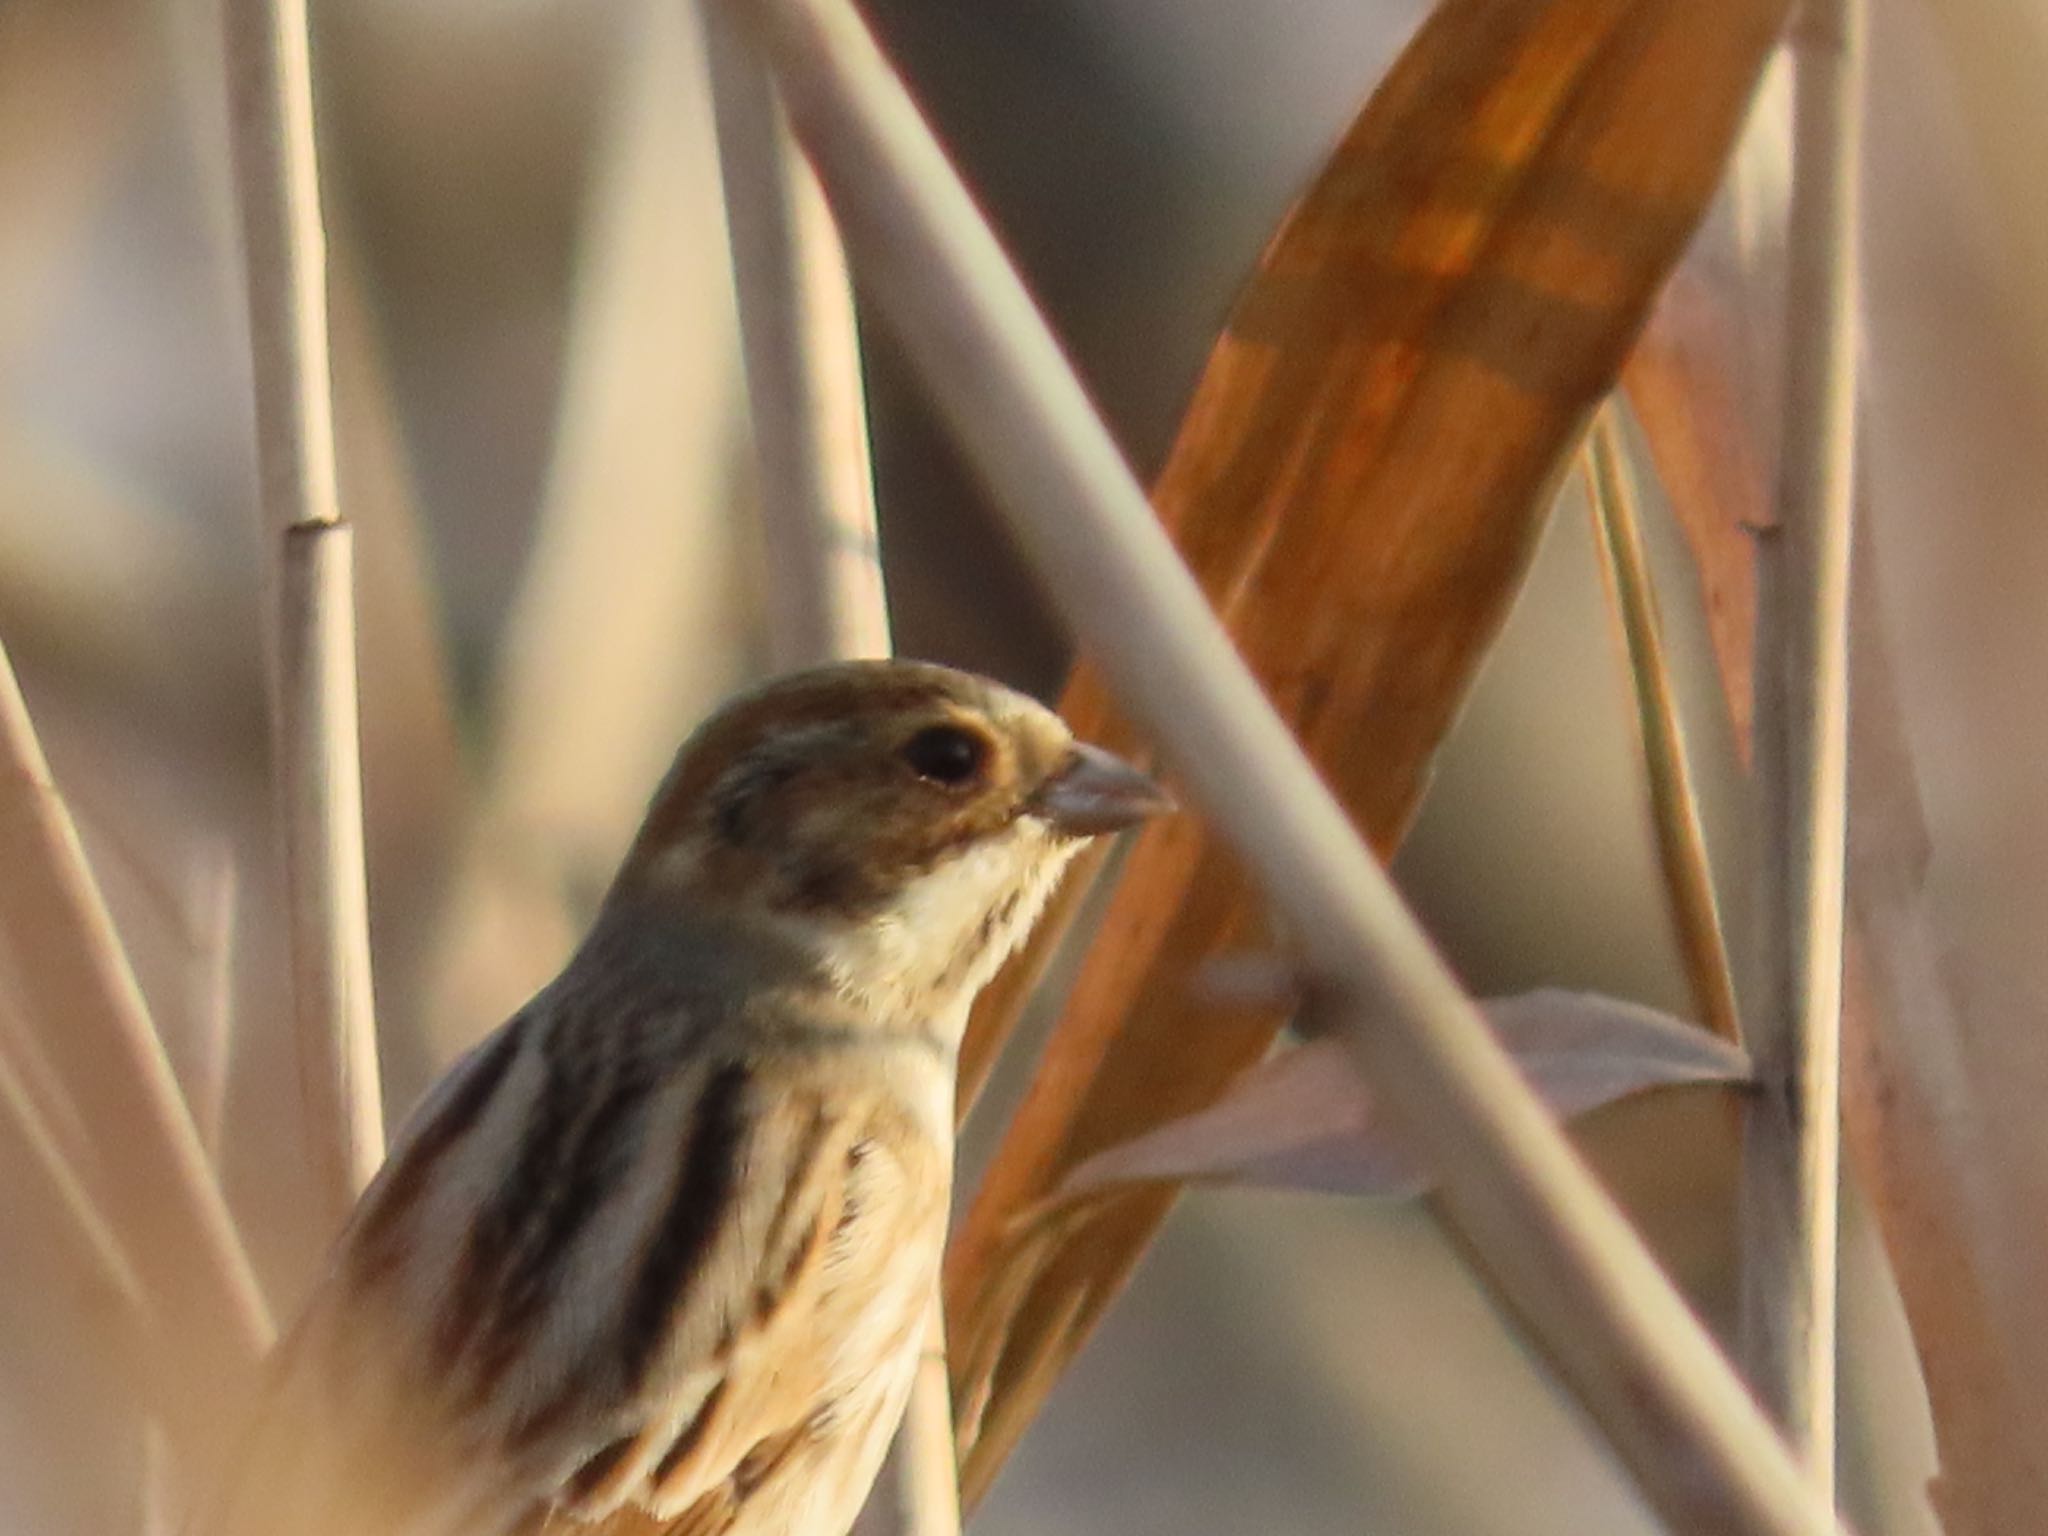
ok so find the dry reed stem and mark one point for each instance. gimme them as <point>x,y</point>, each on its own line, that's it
<point>320,775</point>
<point>78,989</point>
<point>135,1355</point>
<point>413,766</point>
<point>270,112</point>
<point>1358,483</point>
<point>802,350</point>
<point>1792,1137</point>
<point>37,1077</point>
<point>1565,1258</point>
<point>61,1210</point>
<point>210,995</point>
<point>65,1220</point>
<point>1674,805</point>
<point>826,598</point>
<point>918,1493</point>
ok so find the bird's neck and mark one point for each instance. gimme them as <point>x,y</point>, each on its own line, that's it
<point>921,961</point>
<point>913,964</point>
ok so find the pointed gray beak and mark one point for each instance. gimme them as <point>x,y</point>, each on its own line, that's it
<point>1094,792</point>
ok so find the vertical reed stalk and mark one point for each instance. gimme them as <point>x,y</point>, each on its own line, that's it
<point>801,343</point>
<point>919,1492</point>
<point>1792,1139</point>
<point>270,112</point>
<point>1674,806</point>
<point>804,386</point>
<point>1565,1258</point>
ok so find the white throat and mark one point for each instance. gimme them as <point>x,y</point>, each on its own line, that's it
<point>927,954</point>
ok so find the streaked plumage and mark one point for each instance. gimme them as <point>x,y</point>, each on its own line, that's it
<point>654,1256</point>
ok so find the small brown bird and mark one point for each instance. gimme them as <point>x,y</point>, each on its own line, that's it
<point>654,1256</point>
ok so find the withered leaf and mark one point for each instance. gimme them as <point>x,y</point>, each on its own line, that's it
<point>1357,485</point>
<point>1304,1119</point>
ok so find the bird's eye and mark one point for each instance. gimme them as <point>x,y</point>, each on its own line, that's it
<point>946,754</point>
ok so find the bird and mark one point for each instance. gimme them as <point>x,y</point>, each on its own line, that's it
<point>654,1257</point>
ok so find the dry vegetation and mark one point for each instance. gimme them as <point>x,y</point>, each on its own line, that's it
<point>1483,295</point>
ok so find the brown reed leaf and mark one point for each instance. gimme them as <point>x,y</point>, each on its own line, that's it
<point>1685,389</point>
<point>1938,1122</point>
<point>1921,1111</point>
<point>1358,484</point>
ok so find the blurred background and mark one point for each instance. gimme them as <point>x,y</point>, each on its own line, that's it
<point>544,445</point>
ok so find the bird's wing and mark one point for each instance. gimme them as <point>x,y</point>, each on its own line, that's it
<point>786,1333</point>
<point>338,1441</point>
<point>638,1292</point>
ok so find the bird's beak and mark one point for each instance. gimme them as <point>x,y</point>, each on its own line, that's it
<point>1093,792</point>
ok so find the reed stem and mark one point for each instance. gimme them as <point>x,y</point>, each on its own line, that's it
<point>800,339</point>
<point>1565,1259</point>
<point>1792,1135</point>
<point>79,994</point>
<point>801,343</point>
<point>314,697</point>
<point>1674,804</point>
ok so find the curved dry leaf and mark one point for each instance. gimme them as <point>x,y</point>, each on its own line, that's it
<point>1305,1120</point>
<point>1685,386</point>
<point>1357,485</point>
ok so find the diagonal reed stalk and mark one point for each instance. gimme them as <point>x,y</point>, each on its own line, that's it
<point>1792,1136</point>
<point>162,1204</point>
<point>1674,807</point>
<point>62,1212</point>
<point>1563,1256</point>
<point>826,598</point>
<point>315,719</point>
<point>210,993</point>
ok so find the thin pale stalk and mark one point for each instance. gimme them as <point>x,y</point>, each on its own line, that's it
<point>800,341</point>
<point>1565,1258</point>
<point>918,1493</point>
<point>826,601</point>
<point>804,387</point>
<point>60,1212</point>
<point>270,110</point>
<point>77,988</point>
<point>38,1077</point>
<point>59,1216</point>
<point>1674,805</point>
<point>1792,1137</point>
<point>210,994</point>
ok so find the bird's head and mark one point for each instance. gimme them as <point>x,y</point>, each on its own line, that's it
<point>903,822</point>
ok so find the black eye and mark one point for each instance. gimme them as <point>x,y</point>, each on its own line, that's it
<point>946,754</point>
